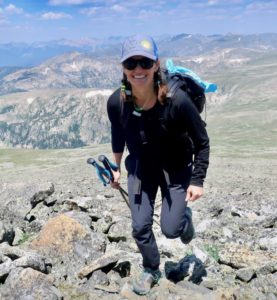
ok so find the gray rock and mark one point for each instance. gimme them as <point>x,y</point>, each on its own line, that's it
<point>268,268</point>
<point>268,243</point>
<point>83,203</point>
<point>265,283</point>
<point>34,261</point>
<point>27,284</point>
<point>18,236</point>
<point>120,230</point>
<point>5,269</point>
<point>6,233</point>
<point>103,261</point>
<point>245,274</point>
<point>42,195</point>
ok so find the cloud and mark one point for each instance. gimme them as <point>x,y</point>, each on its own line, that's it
<point>89,11</point>
<point>260,6</point>
<point>55,16</point>
<point>70,2</point>
<point>118,8</point>
<point>12,9</point>
<point>146,14</point>
<point>212,2</point>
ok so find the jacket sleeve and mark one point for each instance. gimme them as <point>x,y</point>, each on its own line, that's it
<point>117,130</point>
<point>191,122</point>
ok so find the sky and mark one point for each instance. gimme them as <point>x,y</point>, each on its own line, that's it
<point>38,20</point>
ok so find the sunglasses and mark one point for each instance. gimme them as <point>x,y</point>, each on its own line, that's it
<point>131,63</point>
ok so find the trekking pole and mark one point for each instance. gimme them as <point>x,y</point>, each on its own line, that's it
<point>112,167</point>
<point>103,174</point>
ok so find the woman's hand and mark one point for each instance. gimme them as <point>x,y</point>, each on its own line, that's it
<point>115,183</point>
<point>194,192</point>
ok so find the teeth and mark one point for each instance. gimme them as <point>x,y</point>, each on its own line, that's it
<point>139,76</point>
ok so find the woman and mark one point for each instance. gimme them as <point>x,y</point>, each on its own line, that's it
<point>158,134</point>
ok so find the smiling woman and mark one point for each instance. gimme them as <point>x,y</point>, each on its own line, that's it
<point>160,156</point>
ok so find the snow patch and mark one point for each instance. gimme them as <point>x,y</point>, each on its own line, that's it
<point>30,100</point>
<point>74,66</point>
<point>105,92</point>
<point>46,71</point>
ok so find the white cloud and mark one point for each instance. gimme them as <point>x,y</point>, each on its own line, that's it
<point>146,14</point>
<point>212,2</point>
<point>89,11</point>
<point>55,16</point>
<point>12,9</point>
<point>118,8</point>
<point>69,2</point>
<point>257,7</point>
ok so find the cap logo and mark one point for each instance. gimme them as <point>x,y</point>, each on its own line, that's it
<point>146,44</point>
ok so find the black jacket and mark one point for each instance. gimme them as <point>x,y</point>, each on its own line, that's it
<point>171,135</point>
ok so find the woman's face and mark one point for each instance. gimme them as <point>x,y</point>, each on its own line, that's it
<point>142,71</point>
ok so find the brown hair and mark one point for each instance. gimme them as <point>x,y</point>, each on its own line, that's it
<point>160,88</point>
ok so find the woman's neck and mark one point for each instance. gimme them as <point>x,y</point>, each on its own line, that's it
<point>144,99</point>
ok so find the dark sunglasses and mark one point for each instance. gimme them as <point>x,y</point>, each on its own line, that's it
<point>131,63</point>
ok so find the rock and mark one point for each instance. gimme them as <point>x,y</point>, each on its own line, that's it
<point>101,262</point>
<point>5,269</point>
<point>18,236</point>
<point>12,252</point>
<point>268,268</point>
<point>29,284</point>
<point>40,213</point>
<point>265,283</point>
<point>241,256</point>
<point>83,203</point>
<point>120,231</point>
<point>6,233</point>
<point>227,232</point>
<point>203,226</point>
<point>69,244</point>
<point>200,254</point>
<point>268,243</point>
<point>99,278</point>
<point>2,231</point>
<point>42,195</point>
<point>34,261</point>
<point>103,225</point>
<point>245,274</point>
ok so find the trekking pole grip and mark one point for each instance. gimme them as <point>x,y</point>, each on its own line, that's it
<point>108,165</point>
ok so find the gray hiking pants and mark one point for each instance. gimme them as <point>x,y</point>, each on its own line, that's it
<point>173,187</point>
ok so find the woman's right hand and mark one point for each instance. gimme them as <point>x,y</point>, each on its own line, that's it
<point>115,183</point>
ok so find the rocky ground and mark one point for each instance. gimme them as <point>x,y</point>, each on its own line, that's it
<point>63,235</point>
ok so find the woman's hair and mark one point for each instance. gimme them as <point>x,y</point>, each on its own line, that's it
<point>160,88</point>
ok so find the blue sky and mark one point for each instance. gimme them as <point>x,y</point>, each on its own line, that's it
<point>38,20</point>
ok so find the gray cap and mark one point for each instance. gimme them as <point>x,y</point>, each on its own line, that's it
<point>139,45</point>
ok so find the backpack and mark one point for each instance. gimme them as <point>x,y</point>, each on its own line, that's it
<point>186,83</point>
<point>178,77</point>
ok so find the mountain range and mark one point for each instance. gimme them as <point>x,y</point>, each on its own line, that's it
<point>61,103</point>
<point>32,54</point>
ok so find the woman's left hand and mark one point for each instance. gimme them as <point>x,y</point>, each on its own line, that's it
<point>194,192</point>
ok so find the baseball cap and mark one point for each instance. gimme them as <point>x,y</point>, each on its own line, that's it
<point>139,44</point>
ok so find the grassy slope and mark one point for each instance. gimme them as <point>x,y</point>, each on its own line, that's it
<point>246,123</point>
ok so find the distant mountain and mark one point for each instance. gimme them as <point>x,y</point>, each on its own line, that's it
<point>62,103</point>
<point>72,70</point>
<point>27,55</point>
<point>54,118</point>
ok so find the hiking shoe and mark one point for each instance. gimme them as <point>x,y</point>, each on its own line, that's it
<point>189,232</point>
<point>146,280</point>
